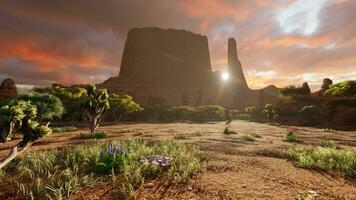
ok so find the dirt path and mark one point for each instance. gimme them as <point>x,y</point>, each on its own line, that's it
<point>233,168</point>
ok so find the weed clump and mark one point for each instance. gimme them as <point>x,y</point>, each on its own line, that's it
<point>97,135</point>
<point>227,131</point>
<point>328,144</point>
<point>326,159</point>
<point>289,136</point>
<point>61,129</point>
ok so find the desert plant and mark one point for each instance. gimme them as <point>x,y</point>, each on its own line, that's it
<point>295,91</point>
<point>342,89</point>
<point>325,158</point>
<point>271,113</point>
<point>227,131</point>
<point>328,144</point>
<point>95,104</point>
<point>289,136</point>
<point>249,138</point>
<point>310,110</point>
<point>121,105</point>
<point>100,134</point>
<point>23,114</point>
<point>60,129</point>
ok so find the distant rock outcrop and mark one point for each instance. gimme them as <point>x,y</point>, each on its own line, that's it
<point>8,89</point>
<point>173,67</point>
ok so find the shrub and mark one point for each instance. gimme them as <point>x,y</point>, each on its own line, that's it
<point>253,112</point>
<point>271,113</point>
<point>227,131</point>
<point>342,89</point>
<point>289,136</point>
<point>61,129</point>
<point>111,158</point>
<point>180,136</point>
<point>249,137</point>
<point>296,91</point>
<point>326,159</point>
<point>310,110</point>
<point>97,135</point>
<point>242,117</point>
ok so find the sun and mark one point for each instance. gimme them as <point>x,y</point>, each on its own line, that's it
<point>225,76</point>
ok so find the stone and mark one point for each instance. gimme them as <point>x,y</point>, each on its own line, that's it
<point>172,67</point>
<point>8,89</point>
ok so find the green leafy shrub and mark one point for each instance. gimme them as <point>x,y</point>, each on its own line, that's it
<point>310,110</point>
<point>100,134</point>
<point>111,158</point>
<point>270,112</point>
<point>242,117</point>
<point>249,138</point>
<point>326,159</point>
<point>342,89</point>
<point>289,136</point>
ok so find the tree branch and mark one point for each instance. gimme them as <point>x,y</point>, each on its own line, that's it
<point>15,151</point>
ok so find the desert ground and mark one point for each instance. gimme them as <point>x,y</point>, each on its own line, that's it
<point>232,167</point>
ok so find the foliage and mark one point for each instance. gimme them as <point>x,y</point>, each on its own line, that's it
<point>60,174</point>
<point>48,106</point>
<point>121,105</point>
<point>271,113</point>
<point>71,97</point>
<point>310,110</point>
<point>342,89</point>
<point>180,136</point>
<point>328,144</point>
<point>296,91</point>
<point>242,117</point>
<point>94,106</point>
<point>289,136</point>
<point>96,135</point>
<point>61,129</point>
<point>253,112</point>
<point>326,159</point>
<point>227,131</point>
<point>249,138</point>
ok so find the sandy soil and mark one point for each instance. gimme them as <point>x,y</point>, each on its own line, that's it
<point>233,168</point>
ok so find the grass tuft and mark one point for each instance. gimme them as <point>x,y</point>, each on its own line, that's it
<point>227,131</point>
<point>326,159</point>
<point>97,135</point>
<point>61,129</point>
<point>180,136</point>
<point>328,144</point>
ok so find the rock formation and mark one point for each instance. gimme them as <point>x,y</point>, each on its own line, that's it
<point>173,67</point>
<point>8,89</point>
<point>325,86</point>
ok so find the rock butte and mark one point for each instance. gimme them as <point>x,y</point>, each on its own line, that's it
<point>173,67</point>
<point>8,89</point>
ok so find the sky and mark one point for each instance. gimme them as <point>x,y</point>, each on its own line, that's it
<point>280,42</point>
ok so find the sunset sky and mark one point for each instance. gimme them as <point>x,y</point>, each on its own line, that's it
<point>280,42</point>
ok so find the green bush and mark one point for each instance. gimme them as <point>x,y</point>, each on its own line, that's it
<point>342,89</point>
<point>242,117</point>
<point>97,135</point>
<point>326,159</point>
<point>295,91</point>
<point>289,136</point>
<point>270,112</point>
<point>328,144</point>
<point>310,110</point>
<point>253,112</point>
<point>227,131</point>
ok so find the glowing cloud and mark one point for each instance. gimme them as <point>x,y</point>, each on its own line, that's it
<point>301,16</point>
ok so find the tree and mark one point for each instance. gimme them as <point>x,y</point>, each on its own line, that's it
<point>342,89</point>
<point>23,114</point>
<point>94,105</point>
<point>270,112</point>
<point>121,105</point>
<point>296,91</point>
<point>48,105</point>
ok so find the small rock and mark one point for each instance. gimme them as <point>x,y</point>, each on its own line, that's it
<point>149,185</point>
<point>190,188</point>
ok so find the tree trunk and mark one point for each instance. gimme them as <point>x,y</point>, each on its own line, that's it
<point>94,125</point>
<point>13,154</point>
